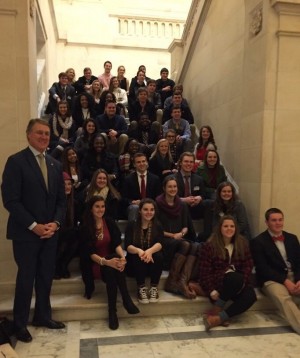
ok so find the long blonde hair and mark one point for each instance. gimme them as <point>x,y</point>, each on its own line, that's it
<point>96,94</point>
<point>156,150</point>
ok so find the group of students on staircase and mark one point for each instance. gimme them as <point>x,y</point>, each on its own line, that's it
<point>130,152</point>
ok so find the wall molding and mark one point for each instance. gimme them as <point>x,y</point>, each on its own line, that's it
<point>8,12</point>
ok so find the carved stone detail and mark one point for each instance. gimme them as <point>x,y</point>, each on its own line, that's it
<point>31,8</point>
<point>256,20</point>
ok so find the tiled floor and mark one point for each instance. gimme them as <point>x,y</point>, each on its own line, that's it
<point>254,334</point>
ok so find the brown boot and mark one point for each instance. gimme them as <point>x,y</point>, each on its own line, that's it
<point>211,321</point>
<point>194,286</point>
<point>171,284</point>
<point>184,278</point>
<point>215,310</point>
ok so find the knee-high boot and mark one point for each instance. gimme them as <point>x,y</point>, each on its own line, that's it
<point>184,277</point>
<point>171,284</point>
<point>130,307</point>
<point>111,290</point>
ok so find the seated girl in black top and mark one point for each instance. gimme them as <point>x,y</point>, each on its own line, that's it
<point>98,157</point>
<point>161,161</point>
<point>102,257</point>
<point>228,203</point>
<point>212,172</point>
<point>83,142</point>
<point>143,242</point>
<point>83,109</point>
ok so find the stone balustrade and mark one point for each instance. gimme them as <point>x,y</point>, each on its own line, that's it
<point>150,27</point>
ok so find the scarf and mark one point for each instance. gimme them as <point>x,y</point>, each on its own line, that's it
<point>103,192</point>
<point>171,210</point>
<point>64,124</point>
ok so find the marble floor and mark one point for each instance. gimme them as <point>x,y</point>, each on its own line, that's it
<point>255,334</point>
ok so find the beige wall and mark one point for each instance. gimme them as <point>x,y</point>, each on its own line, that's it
<point>17,95</point>
<point>246,86</point>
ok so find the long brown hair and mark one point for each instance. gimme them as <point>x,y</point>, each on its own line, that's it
<point>238,241</point>
<point>88,218</point>
<point>138,224</point>
<point>92,187</point>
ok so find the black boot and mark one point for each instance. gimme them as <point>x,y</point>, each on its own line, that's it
<point>128,304</point>
<point>113,321</point>
<point>109,275</point>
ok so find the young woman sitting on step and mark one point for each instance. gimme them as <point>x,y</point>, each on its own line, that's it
<point>143,242</point>
<point>102,257</point>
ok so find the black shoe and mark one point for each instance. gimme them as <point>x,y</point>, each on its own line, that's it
<point>131,308</point>
<point>88,295</point>
<point>113,321</point>
<point>65,273</point>
<point>51,324</point>
<point>23,335</point>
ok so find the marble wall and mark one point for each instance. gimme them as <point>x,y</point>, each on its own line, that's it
<point>239,63</point>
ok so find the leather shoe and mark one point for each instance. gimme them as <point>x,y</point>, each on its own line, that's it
<point>51,324</point>
<point>113,321</point>
<point>23,335</point>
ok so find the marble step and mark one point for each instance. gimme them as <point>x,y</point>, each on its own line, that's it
<point>68,303</point>
<point>75,307</point>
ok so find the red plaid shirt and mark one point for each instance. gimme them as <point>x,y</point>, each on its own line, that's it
<point>212,268</point>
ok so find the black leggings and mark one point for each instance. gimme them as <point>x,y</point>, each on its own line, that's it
<point>243,296</point>
<point>115,279</point>
<point>140,270</point>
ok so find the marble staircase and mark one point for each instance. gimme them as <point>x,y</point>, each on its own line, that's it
<point>68,303</point>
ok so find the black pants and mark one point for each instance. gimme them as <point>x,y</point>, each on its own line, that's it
<point>171,247</point>
<point>67,249</point>
<point>233,289</point>
<point>36,265</point>
<point>204,210</point>
<point>115,279</point>
<point>140,269</point>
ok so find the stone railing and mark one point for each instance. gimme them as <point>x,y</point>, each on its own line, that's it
<point>150,27</point>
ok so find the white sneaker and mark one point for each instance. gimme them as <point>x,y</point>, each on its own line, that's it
<point>153,293</point>
<point>143,295</point>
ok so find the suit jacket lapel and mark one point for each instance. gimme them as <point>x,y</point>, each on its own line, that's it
<point>136,184</point>
<point>273,247</point>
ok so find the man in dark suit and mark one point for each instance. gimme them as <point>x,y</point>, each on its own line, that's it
<point>33,193</point>
<point>84,83</point>
<point>60,91</point>
<point>139,185</point>
<point>276,255</point>
<point>191,191</point>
